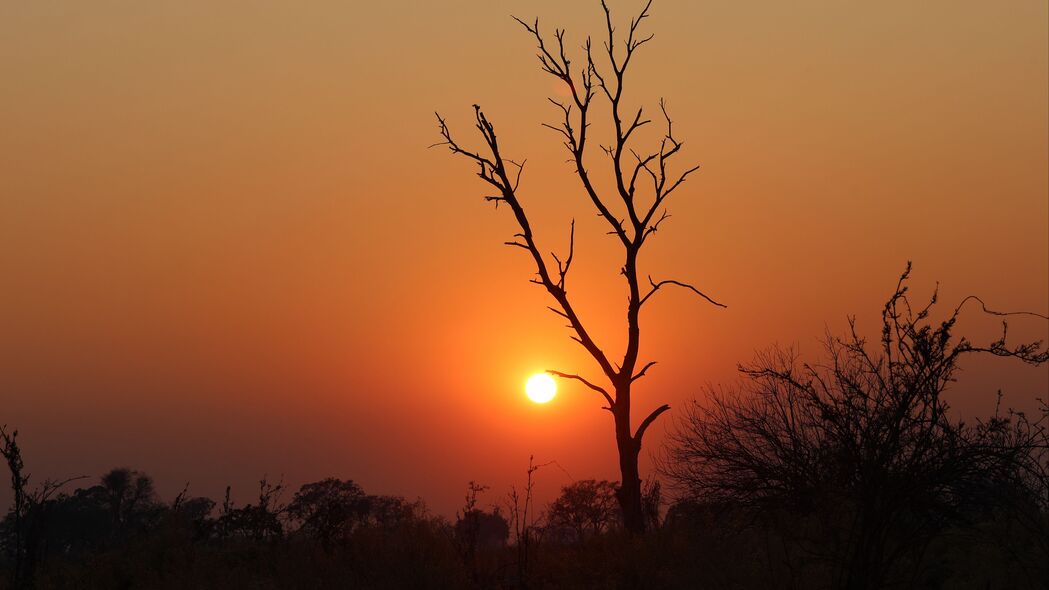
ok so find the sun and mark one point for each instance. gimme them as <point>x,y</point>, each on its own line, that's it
<point>541,388</point>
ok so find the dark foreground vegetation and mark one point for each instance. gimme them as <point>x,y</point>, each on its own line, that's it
<point>849,473</point>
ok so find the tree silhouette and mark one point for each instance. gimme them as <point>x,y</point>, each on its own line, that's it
<point>863,443</point>
<point>329,509</point>
<point>475,530</point>
<point>28,515</point>
<point>631,217</point>
<point>260,521</point>
<point>584,508</point>
<point>128,495</point>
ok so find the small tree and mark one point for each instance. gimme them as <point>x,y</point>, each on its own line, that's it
<point>631,217</point>
<point>260,521</point>
<point>864,439</point>
<point>130,497</point>
<point>526,528</point>
<point>473,527</point>
<point>329,510</point>
<point>586,507</point>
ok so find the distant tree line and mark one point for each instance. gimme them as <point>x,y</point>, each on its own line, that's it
<point>849,472</point>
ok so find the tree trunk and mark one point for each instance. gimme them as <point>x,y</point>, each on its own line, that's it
<point>629,493</point>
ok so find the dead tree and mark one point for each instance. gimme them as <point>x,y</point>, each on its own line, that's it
<point>27,512</point>
<point>634,210</point>
<point>527,531</point>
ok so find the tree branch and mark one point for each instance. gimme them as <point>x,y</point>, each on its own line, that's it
<point>494,171</point>
<point>983,305</point>
<point>660,284</point>
<point>642,372</point>
<point>562,268</point>
<point>597,388</point>
<point>648,421</point>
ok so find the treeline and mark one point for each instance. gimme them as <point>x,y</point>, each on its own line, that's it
<point>846,472</point>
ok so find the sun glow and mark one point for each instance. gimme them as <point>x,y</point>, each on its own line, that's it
<point>541,388</point>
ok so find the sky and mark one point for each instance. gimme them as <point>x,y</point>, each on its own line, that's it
<point>227,250</point>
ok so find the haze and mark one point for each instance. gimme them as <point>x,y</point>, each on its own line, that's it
<point>226,250</point>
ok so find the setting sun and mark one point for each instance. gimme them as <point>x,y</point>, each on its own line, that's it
<point>541,388</point>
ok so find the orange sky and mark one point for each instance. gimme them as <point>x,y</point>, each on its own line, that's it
<point>226,250</point>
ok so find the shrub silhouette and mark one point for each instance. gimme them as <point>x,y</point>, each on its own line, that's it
<point>858,458</point>
<point>585,508</point>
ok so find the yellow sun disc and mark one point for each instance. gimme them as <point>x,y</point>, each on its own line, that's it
<point>541,388</point>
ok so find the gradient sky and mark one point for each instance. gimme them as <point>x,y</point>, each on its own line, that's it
<point>226,251</point>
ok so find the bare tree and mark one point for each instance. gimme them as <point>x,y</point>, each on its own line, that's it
<point>27,512</point>
<point>864,442</point>
<point>526,528</point>
<point>633,211</point>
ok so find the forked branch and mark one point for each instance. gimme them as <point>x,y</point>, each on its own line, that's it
<point>643,371</point>
<point>493,170</point>
<point>563,267</point>
<point>662,184</point>
<point>649,420</point>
